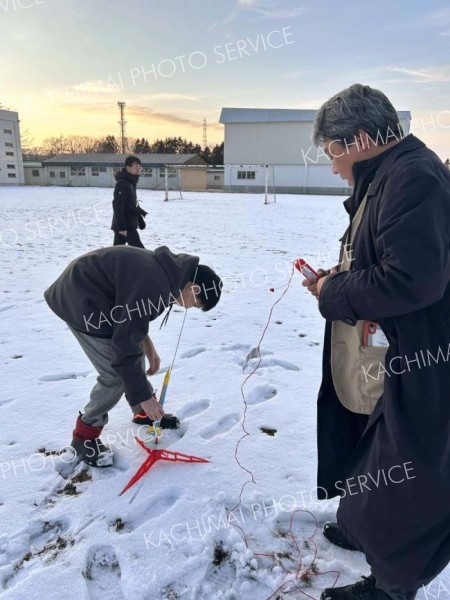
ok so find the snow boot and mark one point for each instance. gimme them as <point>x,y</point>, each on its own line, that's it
<point>87,444</point>
<point>368,589</point>
<point>332,532</point>
<point>167,422</point>
<point>361,590</point>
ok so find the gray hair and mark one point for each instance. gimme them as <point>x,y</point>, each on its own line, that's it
<point>358,107</point>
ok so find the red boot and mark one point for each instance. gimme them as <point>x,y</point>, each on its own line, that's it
<point>88,445</point>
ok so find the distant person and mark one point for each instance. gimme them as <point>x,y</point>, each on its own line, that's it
<point>108,297</point>
<point>447,163</point>
<point>128,216</point>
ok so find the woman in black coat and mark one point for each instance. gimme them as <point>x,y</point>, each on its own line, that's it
<point>128,215</point>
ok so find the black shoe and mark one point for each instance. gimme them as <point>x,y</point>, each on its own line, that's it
<point>167,422</point>
<point>361,590</point>
<point>93,452</point>
<point>332,532</point>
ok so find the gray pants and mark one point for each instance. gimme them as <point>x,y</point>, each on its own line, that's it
<point>109,388</point>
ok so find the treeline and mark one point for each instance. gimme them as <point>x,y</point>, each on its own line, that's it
<point>80,144</point>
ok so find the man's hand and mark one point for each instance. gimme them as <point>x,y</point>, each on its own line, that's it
<point>152,356</point>
<point>155,362</point>
<point>124,233</point>
<point>153,408</point>
<point>315,287</point>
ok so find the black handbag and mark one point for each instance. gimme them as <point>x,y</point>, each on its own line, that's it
<point>141,222</point>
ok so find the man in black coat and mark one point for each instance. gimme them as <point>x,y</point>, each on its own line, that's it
<point>128,215</point>
<point>108,297</point>
<point>392,468</point>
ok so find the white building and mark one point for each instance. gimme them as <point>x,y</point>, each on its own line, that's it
<point>11,164</point>
<point>276,144</point>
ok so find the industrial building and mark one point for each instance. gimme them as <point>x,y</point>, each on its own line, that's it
<point>11,164</point>
<point>273,147</point>
<point>179,171</point>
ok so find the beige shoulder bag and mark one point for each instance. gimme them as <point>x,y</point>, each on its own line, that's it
<point>357,376</point>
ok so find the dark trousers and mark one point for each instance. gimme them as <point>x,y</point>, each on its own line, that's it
<point>132,239</point>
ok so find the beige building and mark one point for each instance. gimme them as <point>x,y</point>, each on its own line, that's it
<point>193,178</point>
<point>274,145</point>
<point>11,164</point>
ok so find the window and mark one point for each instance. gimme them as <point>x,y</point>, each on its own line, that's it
<point>11,175</point>
<point>7,131</point>
<point>216,177</point>
<point>246,174</point>
<point>9,153</point>
<point>52,174</point>
<point>77,171</point>
<point>171,172</point>
<point>62,174</point>
<point>97,170</point>
<point>147,173</point>
<point>9,144</point>
<point>35,172</point>
<point>10,166</point>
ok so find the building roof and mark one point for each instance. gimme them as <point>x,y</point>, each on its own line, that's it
<point>118,160</point>
<point>34,164</point>
<point>8,115</point>
<point>265,115</point>
<point>274,115</point>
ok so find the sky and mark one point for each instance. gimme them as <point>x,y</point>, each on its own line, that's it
<point>174,63</point>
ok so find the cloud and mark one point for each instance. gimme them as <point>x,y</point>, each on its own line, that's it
<point>296,74</point>
<point>281,13</point>
<point>172,96</point>
<point>264,9</point>
<point>271,10</point>
<point>145,112</point>
<point>424,75</point>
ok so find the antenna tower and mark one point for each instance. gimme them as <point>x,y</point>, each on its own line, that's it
<point>205,140</point>
<point>122,123</point>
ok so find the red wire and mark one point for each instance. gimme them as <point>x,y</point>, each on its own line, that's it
<point>300,570</point>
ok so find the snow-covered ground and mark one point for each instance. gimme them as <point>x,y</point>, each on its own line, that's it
<point>182,532</point>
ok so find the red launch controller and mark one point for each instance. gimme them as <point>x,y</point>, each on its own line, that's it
<point>306,270</point>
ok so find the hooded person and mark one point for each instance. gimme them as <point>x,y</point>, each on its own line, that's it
<point>128,216</point>
<point>108,297</point>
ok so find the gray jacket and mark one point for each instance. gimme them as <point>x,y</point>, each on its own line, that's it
<point>115,293</point>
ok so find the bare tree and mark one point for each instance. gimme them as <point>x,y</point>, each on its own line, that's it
<point>81,144</point>
<point>26,141</point>
<point>55,145</point>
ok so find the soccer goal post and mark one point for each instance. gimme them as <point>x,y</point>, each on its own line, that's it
<point>269,176</point>
<point>172,175</point>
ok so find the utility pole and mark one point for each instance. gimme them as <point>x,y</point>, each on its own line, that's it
<point>122,123</point>
<point>205,140</point>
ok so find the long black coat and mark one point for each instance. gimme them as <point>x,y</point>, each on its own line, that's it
<point>400,278</point>
<point>126,209</point>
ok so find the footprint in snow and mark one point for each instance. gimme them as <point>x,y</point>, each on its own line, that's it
<point>6,401</point>
<point>37,540</point>
<point>222,426</point>
<point>192,409</point>
<point>102,574</point>
<point>63,376</point>
<point>150,509</point>
<point>262,393</point>
<point>193,352</point>
<point>271,362</point>
<point>234,347</point>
